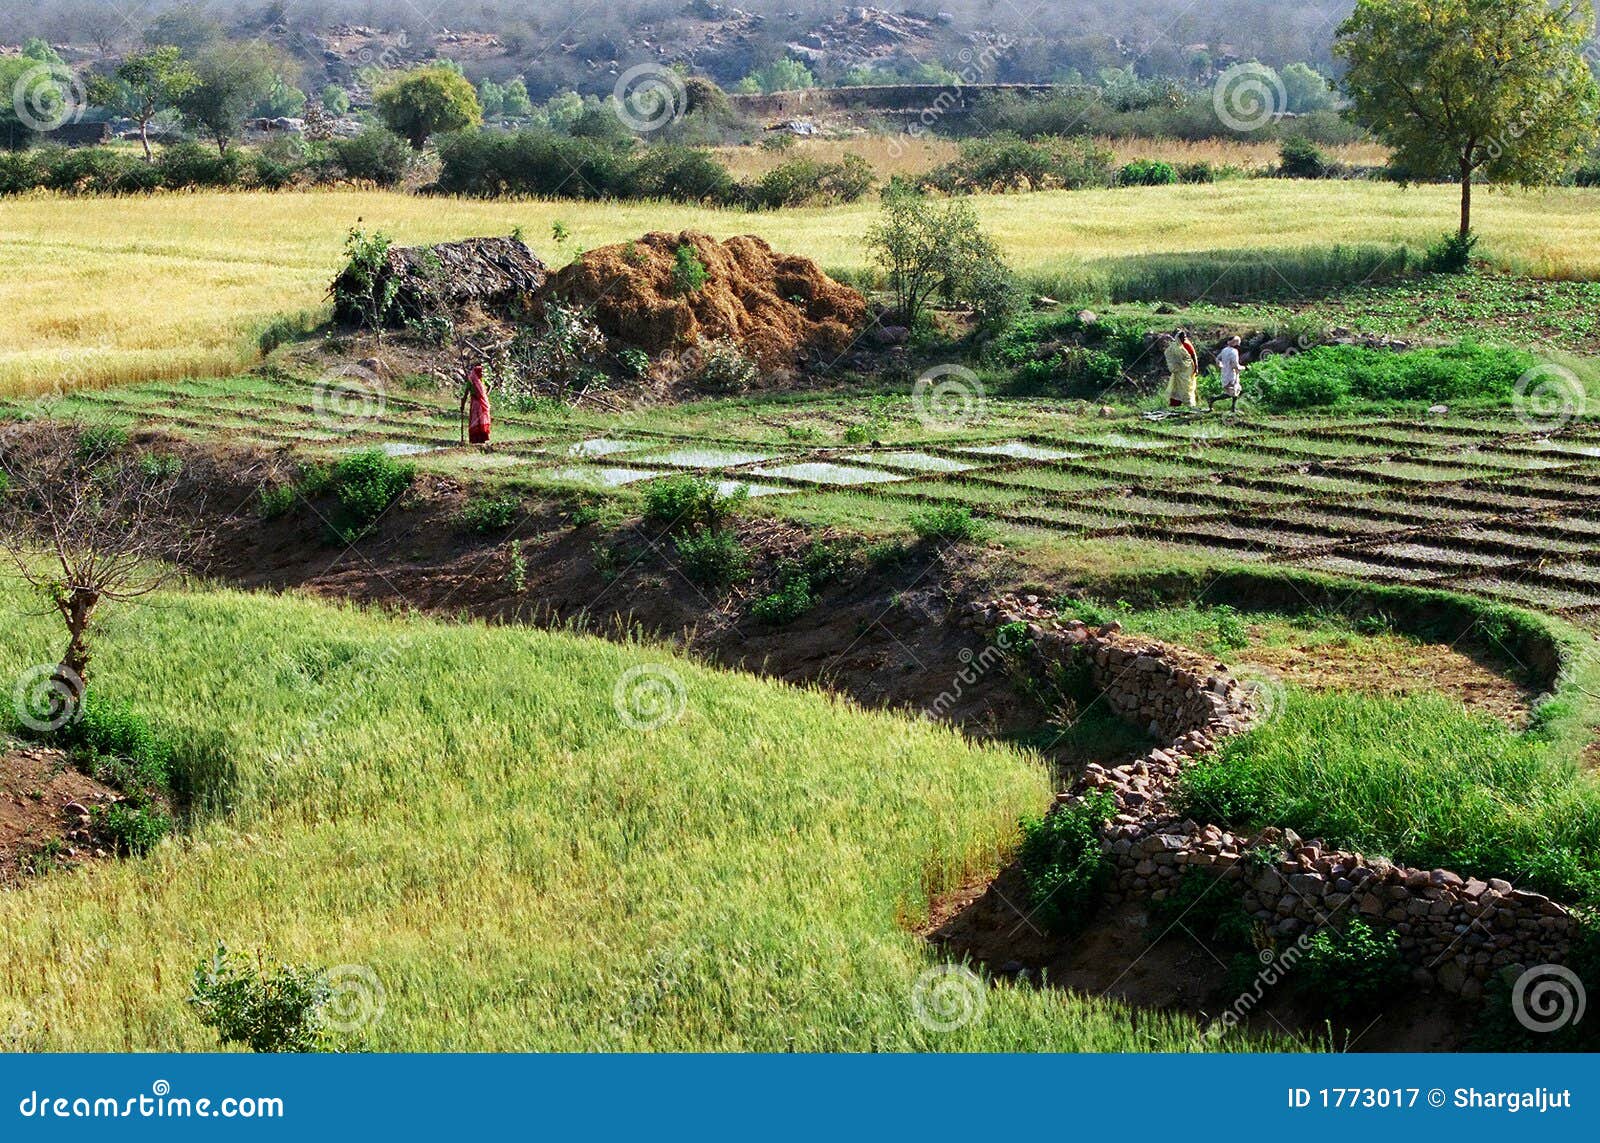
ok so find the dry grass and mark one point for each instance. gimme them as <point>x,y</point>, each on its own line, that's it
<point>898,155</point>
<point>102,291</point>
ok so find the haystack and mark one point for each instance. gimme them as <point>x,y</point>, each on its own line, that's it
<point>777,308</point>
<point>497,275</point>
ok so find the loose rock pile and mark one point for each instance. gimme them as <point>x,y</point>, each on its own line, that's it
<point>1456,932</point>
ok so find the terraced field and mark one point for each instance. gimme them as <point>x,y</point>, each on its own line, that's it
<point>1485,504</point>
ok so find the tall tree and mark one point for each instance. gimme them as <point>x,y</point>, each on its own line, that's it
<point>1496,91</point>
<point>144,85</point>
<point>232,80</point>
<point>427,101</point>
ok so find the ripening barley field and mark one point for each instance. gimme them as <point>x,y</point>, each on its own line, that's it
<point>102,291</point>
<point>518,868</point>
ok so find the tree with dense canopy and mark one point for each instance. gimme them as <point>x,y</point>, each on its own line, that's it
<point>232,79</point>
<point>145,84</point>
<point>428,101</point>
<point>1491,90</point>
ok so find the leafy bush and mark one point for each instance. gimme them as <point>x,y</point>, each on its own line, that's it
<point>133,829</point>
<point>490,513</point>
<point>689,503</point>
<point>812,182</point>
<point>274,500</point>
<point>97,442</point>
<point>192,165</point>
<point>1451,254</point>
<point>1147,173</point>
<point>118,746</point>
<point>1063,863</point>
<point>1350,973</point>
<point>926,249</point>
<point>366,483</point>
<point>782,607</point>
<point>1006,162</point>
<point>720,366</point>
<point>268,1011</point>
<point>954,523</point>
<point>1334,375</point>
<point>364,293</point>
<point>713,559</point>
<point>689,274</point>
<point>1210,907</point>
<point>376,156</point>
<point>1302,159</point>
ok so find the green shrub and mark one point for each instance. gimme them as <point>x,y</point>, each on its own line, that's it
<point>1352,973</point>
<point>98,442</point>
<point>118,746</point>
<point>1302,159</point>
<point>268,1011</point>
<point>274,500</point>
<point>490,513</point>
<point>376,156</point>
<point>159,466</point>
<point>713,559</point>
<point>1198,172</point>
<point>1451,254</point>
<point>184,165</point>
<point>1147,173</point>
<point>1210,907</point>
<point>133,829</point>
<point>792,600</point>
<point>689,503</point>
<point>954,523</point>
<point>1063,863</point>
<point>1006,162</point>
<point>689,274</point>
<point>722,367</point>
<point>366,483</point>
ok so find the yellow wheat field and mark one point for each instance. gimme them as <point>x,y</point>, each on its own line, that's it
<point>102,291</point>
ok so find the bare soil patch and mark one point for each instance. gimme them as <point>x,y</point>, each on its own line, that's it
<point>44,813</point>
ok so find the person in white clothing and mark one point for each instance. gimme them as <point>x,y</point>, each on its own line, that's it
<point>1228,362</point>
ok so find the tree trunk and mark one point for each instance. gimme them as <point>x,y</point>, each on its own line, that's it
<point>144,139</point>
<point>73,671</point>
<point>1466,198</point>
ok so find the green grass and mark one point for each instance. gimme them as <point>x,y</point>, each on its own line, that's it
<point>1343,375</point>
<point>461,809</point>
<point>1417,779</point>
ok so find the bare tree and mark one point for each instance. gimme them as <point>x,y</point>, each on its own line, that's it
<point>87,521</point>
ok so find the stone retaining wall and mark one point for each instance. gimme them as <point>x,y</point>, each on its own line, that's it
<point>1456,932</point>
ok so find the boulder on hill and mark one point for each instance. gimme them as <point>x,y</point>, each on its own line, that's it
<point>776,307</point>
<point>494,274</point>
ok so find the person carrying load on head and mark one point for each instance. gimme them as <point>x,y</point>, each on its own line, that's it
<point>1183,366</point>
<point>1228,362</point>
<point>478,418</point>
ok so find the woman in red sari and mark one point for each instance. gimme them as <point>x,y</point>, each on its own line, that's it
<point>478,419</point>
